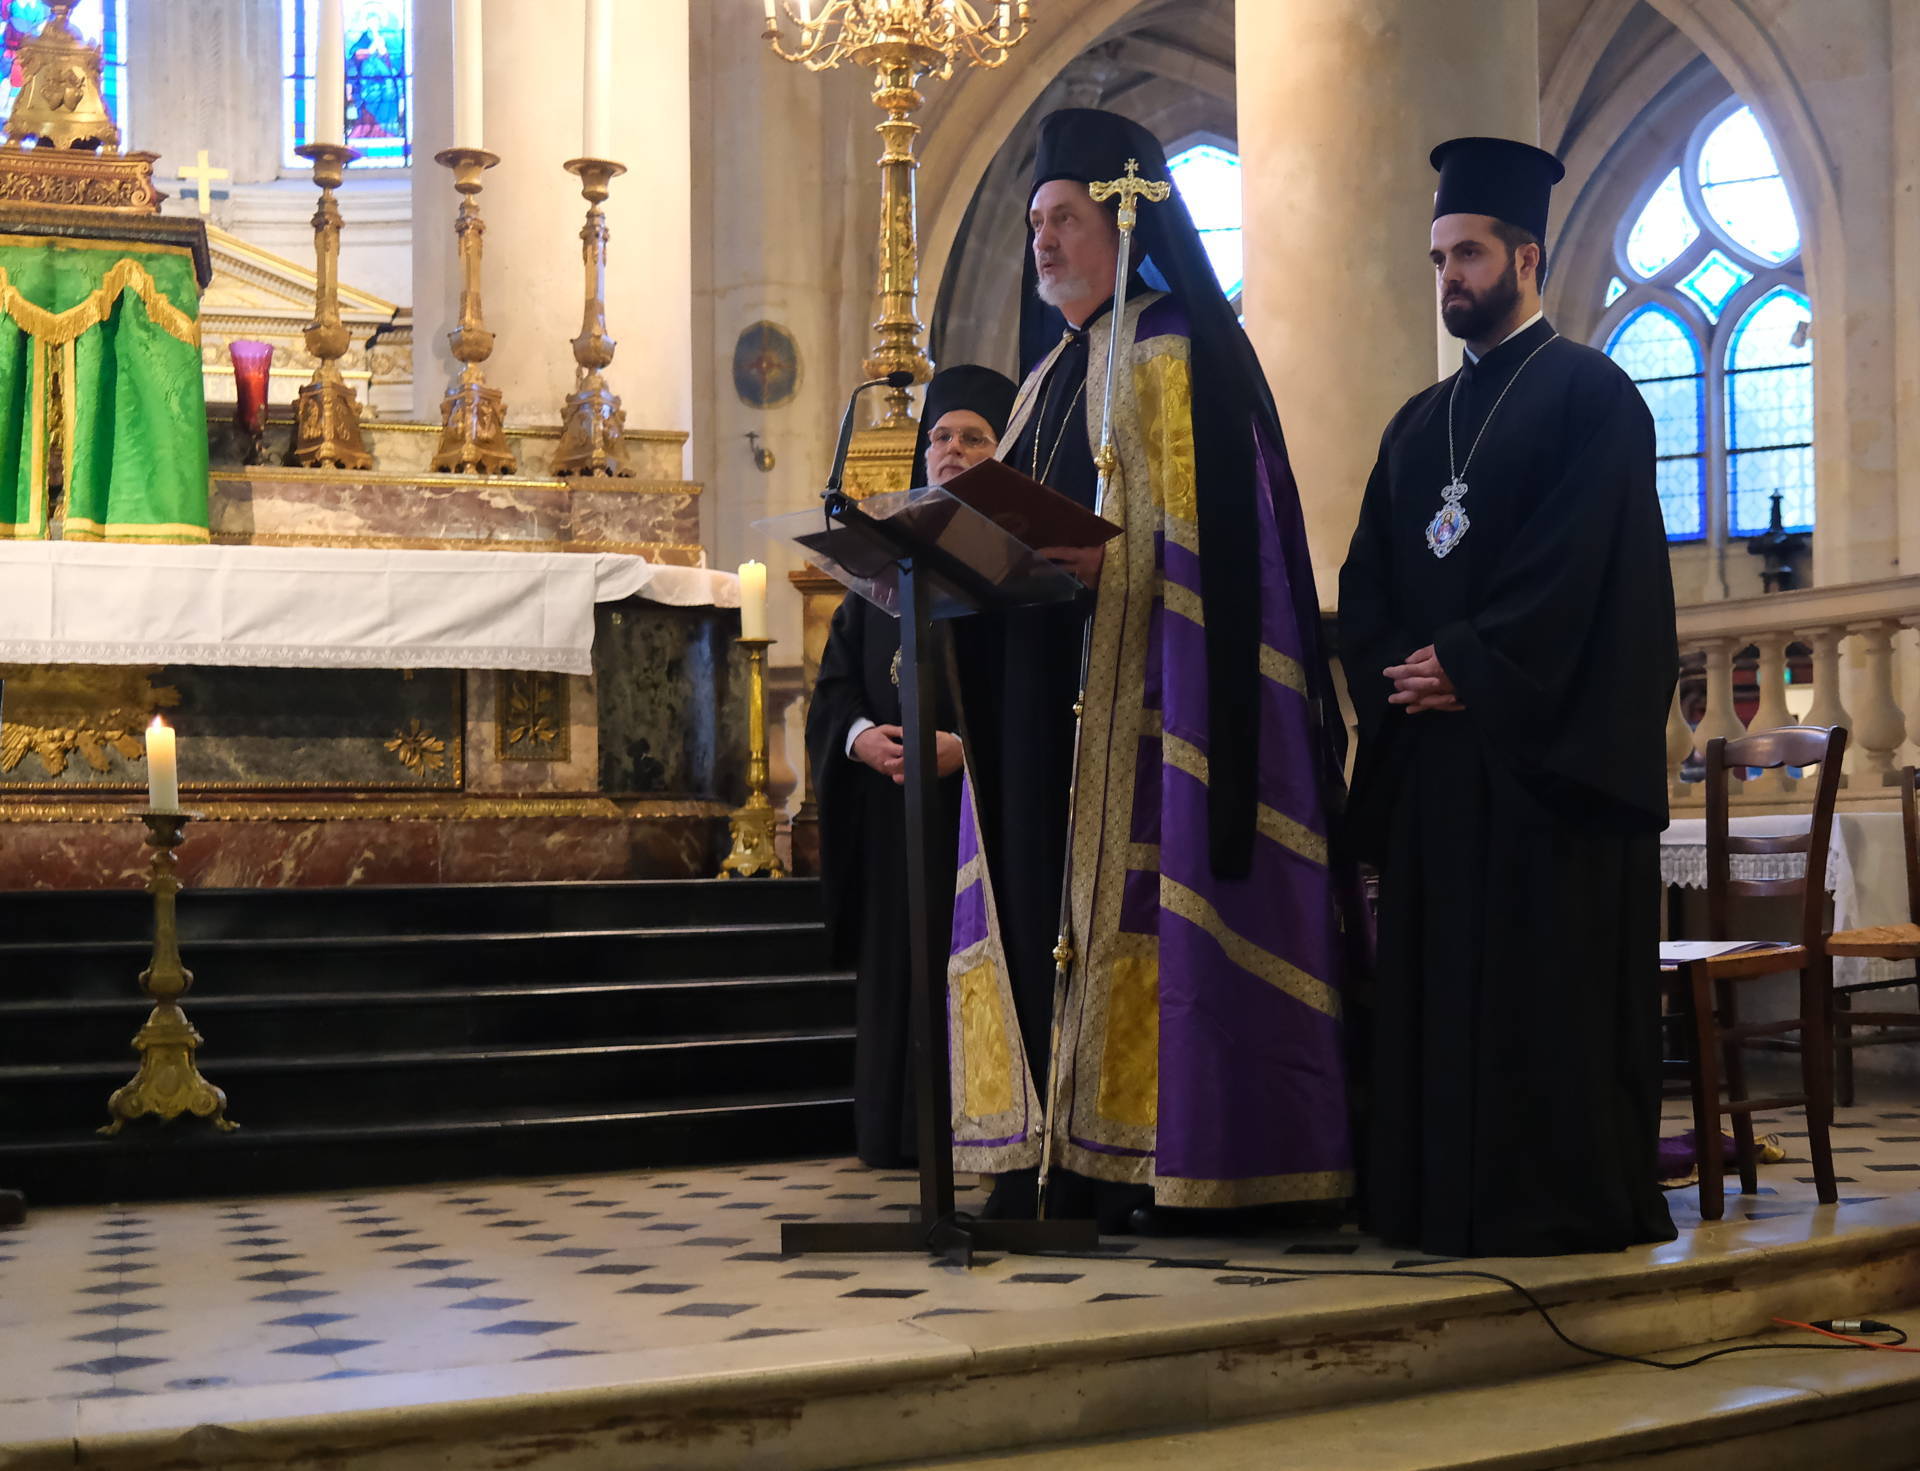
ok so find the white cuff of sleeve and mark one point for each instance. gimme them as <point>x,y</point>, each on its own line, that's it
<point>860,727</point>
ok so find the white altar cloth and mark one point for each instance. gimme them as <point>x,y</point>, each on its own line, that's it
<point>322,607</point>
<point>1866,872</point>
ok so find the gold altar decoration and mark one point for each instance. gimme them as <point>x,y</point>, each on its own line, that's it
<point>900,42</point>
<point>60,103</point>
<point>533,721</point>
<point>591,427</point>
<point>753,821</point>
<point>168,1083</point>
<point>61,108</point>
<point>418,749</point>
<point>55,712</point>
<point>326,416</point>
<point>473,415</point>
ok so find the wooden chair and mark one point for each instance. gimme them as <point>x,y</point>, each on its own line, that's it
<point>1879,942</point>
<point>1706,988</point>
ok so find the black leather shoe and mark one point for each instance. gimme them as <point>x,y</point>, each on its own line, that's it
<point>13,1207</point>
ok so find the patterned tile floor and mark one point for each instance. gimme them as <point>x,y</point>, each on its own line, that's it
<point>104,1301</point>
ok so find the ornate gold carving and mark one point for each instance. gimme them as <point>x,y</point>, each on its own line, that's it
<point>60,103</point>
<point>880,460</point>
<point>326,418</point>
<point>377,807</point>
<point>49,178</point>
<point>418,748</point>
<point>168,1083</point>
<point>754,821</point>
<point>532,719</point>
<point>899,44</point>
<point>473,416</point>
<point>56,711</point>
<point>593,423</point>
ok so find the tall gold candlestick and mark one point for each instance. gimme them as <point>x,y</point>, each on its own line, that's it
<point>593,422</point>
<point>753,822</point>
<point>473,436</point>
<point>326,417</point>
<point>168,1083</point>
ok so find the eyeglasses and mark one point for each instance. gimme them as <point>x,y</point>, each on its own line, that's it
<point>966,438</point>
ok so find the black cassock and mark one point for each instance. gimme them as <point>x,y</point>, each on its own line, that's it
<point>1513,1069</point>
<point>864,864</point>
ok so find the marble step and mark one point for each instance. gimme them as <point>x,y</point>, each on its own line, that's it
<point>291,913</point>
<point>184,1160</point>
<point>378,1087</point>
<point>108,968</point>
<point>1792,1410</point>
<point>81,1030</point>
<point>1433,1370</point>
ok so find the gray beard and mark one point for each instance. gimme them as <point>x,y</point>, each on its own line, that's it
<point>1063,289</point>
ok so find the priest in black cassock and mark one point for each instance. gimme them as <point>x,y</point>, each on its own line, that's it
<point>1506,623</point>
<point>856,761</point>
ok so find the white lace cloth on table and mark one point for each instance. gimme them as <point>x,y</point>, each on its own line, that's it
<point>1866,873</point>
<point>323,607</point>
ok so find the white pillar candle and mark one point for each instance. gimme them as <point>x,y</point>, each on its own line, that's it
<point>329,75</point>
<point>770,15</point>
<point>597,92</point>
<point>468,130</point>
<point>753,600</point>
<point>163,774</point>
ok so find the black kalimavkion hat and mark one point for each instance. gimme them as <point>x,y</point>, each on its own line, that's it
<point>1499,177</point>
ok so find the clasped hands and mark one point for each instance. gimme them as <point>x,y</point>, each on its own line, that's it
<point>882,748</point>
<point>1421,684</point>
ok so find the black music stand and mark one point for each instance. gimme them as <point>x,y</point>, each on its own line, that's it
<point>920,555</point>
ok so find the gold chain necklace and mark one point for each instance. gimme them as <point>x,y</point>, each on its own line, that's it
<point>1066,420</point>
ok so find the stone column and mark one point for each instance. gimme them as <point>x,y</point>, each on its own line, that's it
<point>533,210</point>
<point>1339,106</point>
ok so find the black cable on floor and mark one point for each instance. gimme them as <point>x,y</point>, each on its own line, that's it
<point>1265,1276</point>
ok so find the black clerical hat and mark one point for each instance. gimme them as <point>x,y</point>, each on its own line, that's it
<point>1499,177</point>
<point>1087,145</point>
<point>963,386</point>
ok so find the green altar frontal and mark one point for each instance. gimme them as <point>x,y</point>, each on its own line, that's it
<point>100,381</point>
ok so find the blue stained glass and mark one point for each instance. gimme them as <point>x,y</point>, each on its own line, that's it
<point>1664,230</point>
<point>1616,288</point>
<point>1655,349</point>
<point>1714,282</point>
<point>1208,179</point>
<point>103,22</point>
<point>1741,187</point>
<point>1770,414</point>
<point>379,55</point>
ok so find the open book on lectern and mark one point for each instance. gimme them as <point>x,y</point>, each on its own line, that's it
<point>986,523</point>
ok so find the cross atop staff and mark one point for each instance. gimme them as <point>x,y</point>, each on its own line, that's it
<point>1129,190</point>
<point>201,176</point>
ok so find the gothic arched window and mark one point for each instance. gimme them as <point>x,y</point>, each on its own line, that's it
<point>1708,313</point>
<point>1208,178</point>
<point>103,22</point>
<point>378,36</point>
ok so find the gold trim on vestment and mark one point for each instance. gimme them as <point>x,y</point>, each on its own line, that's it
<point>1177,898</point>
<point>1294,836</point>
<point>82,528</point>
<point>1282,669</point>
<point>1254,1190</point>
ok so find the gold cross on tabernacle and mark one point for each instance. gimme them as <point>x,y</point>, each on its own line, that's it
<point>201,176</point>
<point>1129,190</point>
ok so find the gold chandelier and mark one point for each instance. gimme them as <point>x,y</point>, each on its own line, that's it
<point>900,42</point>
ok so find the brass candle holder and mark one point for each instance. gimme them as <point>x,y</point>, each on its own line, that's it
<point>753,822</point>
<point>168,1083</point>
<point>326,416</point>
<point>593,423</point>
<point>473,436</point>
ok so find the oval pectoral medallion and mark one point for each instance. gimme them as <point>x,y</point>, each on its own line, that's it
<point>1449,524</point>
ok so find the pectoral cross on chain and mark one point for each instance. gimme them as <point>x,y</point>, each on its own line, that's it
<point>1129,190</point>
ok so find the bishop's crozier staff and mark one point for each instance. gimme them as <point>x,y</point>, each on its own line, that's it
<point>1506,623</point>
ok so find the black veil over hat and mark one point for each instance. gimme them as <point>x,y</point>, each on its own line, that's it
<point>1231,404</point>
<point>963,386</point>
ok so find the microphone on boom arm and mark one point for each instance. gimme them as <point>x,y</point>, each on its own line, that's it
<point>832,494</point>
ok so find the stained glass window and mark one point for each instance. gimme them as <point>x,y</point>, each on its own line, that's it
<point>1741,186</point>
<point>1208,179</point>
<point>1616,288</point>
<point>103,22</point>
<point>1770,414</point>
<point>1655,349</point>
<point>1714,282</point>
<point>1664,230</point>
<point>379,48</point>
